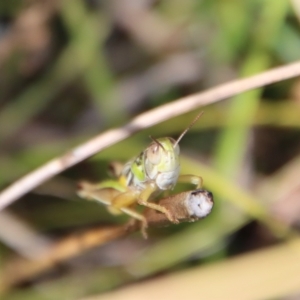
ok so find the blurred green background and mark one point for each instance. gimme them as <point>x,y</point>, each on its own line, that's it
<point>72,69</point>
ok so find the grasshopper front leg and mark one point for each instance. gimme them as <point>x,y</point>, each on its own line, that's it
<point>143,200</point>
<point>192,179</point>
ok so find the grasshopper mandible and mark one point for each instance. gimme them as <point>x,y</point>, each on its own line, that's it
<point>154,170</point>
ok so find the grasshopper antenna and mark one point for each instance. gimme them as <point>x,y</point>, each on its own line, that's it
<point>188,128</point>
<point>156,142</point>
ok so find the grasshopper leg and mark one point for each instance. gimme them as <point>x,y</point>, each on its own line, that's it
<point>193,179</point>
<point>123,201</point>
<point>143,200</point>
<point>137,216</point>
<point>115,201</point>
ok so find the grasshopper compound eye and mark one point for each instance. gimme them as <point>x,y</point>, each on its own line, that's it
<point>154,154</point>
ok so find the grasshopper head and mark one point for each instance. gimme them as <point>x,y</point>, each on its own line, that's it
<point>161,161</point>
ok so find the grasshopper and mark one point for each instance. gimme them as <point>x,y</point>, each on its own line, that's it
<point>154,170</point>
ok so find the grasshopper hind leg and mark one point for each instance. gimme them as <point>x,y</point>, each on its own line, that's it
<point>115,201</point>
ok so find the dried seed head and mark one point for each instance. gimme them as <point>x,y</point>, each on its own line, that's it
<point>199,203</point>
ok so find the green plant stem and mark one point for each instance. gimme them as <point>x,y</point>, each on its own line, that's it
<point>232,145</point>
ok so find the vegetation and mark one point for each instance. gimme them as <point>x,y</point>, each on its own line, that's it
<point>73,69</point>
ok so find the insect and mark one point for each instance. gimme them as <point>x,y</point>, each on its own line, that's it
<point>154,170</point>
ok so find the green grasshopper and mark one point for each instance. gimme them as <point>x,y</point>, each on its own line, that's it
<point>154,170</point>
